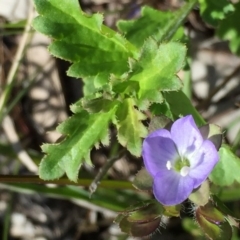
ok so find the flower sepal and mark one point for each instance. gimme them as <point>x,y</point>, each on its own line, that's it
<point>145,218</point>
<point>141,219</point>
<point>213,222</point>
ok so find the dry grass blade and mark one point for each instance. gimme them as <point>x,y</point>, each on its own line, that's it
<point>13,138</point>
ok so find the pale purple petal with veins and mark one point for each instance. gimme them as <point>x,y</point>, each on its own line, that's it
<point>160,148</point>
<point>203,162</point>
<point>171,188</point>
<point>186,135</point>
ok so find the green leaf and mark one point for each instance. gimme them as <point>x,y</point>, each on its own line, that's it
<point>229,29</point>
<point>213,11</point>
<point>227,169</point>
<point>98,104</point>
<point>161,109</point>
<point>180,105</point>
<point>94,49</point>
<point>153,23</point>
<point>130,127</point>
<point>83,131</point>
<point>156,70</point>
<point>230,194</point>
<point>176,21</point>
<point>162,26</point>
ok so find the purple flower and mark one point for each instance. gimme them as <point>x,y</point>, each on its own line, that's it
<point>179,160</point>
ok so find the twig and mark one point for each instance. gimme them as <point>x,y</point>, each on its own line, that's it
<point>103,171</point>
<point>206,102</point>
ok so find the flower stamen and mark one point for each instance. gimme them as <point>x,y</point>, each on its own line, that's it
<point>184,171</point>
<point>169,165</point>
<point>180,163</point>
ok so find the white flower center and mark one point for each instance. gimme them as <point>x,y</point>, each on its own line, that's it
<point>184,171</point>
<point>169,165</point>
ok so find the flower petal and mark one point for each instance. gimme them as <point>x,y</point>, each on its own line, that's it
<point>170,188</point>
<point>203,162</point>
<point>186,136</point>
<point>158,149</point>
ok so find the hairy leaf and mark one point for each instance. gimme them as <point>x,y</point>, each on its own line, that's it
<point>82,131</point>
<point>213,11</point>
<point>229,29</point>
<point>156,70</point>
<point>158,109</point>
<point>130,127</point>
<point>95,50</point>
<point>98,104</point>
<point>227,169</point>
<point>153,23</point>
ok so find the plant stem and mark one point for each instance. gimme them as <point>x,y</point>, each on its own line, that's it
<point>93,186</point>
<point>64,181</point>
